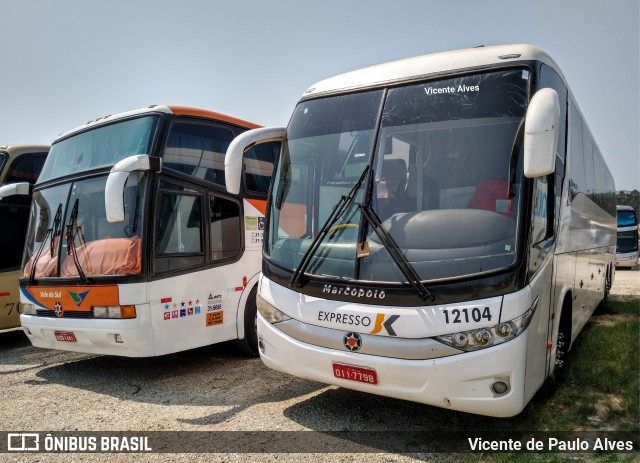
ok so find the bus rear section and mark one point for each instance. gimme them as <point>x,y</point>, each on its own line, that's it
<point>627,245</point>
<point>140,251</point>
<point>20,166</point>
<point>432,230</point>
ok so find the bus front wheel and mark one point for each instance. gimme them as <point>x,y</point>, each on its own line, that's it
<point>249,345</point>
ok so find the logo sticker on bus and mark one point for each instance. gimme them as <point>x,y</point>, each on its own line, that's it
<point>78,298</point>
<point>251,223</point>
<point>380,322</point>
<point>385,322</point>
<point>214,302</point>
<point>215,318</point>
<point>58,310</point>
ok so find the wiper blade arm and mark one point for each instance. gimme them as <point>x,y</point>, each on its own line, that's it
<point>50,233</point>
<point>72,227</point>
<point>337,212</point>
<point>57,220</point>
<point>398,257</point>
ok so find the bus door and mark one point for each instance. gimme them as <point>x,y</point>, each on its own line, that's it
<point>541,271</point>
<point>196,287</point>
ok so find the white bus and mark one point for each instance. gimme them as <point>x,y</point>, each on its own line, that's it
<point>134,246</point>
<point>20,166</point>
<point>439,229</point>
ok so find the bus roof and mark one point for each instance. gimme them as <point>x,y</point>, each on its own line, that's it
<point>620,207</point>
<point>177,110</point>
<point>16,150</point>
<point>429,65</point>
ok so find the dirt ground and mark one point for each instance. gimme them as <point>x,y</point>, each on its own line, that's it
<point>208,389</point>
<point>626,282</point>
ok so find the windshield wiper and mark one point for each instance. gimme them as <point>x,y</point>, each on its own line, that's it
<point>337,212</point>
<point>72,228</point>
<point>394,250</point>
<point>51,233</point>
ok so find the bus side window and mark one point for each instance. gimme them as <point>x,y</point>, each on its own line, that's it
<point>540,220</point>
<point>258,168</point>
<point>179,240</point>
<point>198,150</point>
<point>225,229</point>
<point>26,168</point>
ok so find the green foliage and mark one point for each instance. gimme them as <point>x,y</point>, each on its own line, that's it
<point>632,198</point>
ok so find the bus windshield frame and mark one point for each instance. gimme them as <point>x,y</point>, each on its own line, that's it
<point>83,244</point>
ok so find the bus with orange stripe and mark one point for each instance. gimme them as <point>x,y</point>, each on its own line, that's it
<point>135,247</point>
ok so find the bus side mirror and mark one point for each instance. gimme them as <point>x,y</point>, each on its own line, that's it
<point>541,128</point>
<point>13,189</point>
<point>240,145</point>
<point>114,189</point>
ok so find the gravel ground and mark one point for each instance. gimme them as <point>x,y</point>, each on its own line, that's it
<point>209,389</point>
<point>626,283</point>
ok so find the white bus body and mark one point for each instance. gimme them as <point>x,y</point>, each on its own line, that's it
<point>438,229</point>
<point>161,258</point>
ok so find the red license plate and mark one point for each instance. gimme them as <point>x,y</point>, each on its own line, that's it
<point>353,373</point>
<point>65,336</point>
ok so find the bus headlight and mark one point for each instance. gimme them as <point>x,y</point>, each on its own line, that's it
<point>487,337</point>
<point>269,312</point>
<point>29,309</point>
<point>114,311</point>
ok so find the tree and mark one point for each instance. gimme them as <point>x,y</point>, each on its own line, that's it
<point>629,198</point>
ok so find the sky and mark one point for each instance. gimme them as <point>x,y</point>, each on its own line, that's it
<point>65,62</point>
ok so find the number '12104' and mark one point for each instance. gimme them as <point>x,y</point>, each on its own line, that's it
<point>466,315</point>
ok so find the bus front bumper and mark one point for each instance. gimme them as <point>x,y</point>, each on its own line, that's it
<point>128,338</point>
<point>627,260</point>
<point>460,382</point>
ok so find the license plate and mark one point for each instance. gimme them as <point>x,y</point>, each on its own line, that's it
<point>354,373</point>
<point>65,336</point>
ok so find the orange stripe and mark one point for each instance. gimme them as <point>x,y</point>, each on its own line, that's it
<point>260,204</point>
<point>188,111</point>
<point>95,295</point>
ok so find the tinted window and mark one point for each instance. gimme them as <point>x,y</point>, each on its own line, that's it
<point>626,219</point>
<point>198,150</point>
<point>14,218</point>
<point>26,168</point>
<point>179,242</point>
<point>99,147</point>
<point>577,179</point>
<point>540,203</point>
<point>549,78</point>
<point>258,167</point>
<point>225,228</point>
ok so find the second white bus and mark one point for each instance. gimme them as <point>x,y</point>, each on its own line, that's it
<point>440,229</point>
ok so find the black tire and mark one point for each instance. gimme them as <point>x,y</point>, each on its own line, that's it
<point>603,306</point>
<point>563,344</point>
<point>249,345</point>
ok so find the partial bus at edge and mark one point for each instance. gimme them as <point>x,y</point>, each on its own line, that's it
<point>20,166</point>
<point>440,229</point>
<point>627,245</point>
<point>134,246</point>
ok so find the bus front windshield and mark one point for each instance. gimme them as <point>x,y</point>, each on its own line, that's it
<point>102,146</point>
<point>444,179</point>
